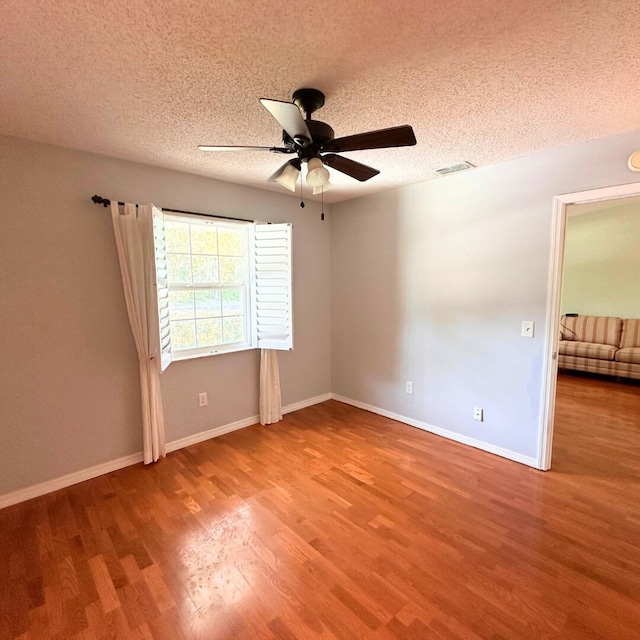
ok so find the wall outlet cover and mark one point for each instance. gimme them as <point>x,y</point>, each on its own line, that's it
<point>527,328</point>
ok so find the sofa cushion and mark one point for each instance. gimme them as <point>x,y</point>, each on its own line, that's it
<point>630,334</point>
<point>598,329</point>
<point>628,354</point>
<point>587,349</point>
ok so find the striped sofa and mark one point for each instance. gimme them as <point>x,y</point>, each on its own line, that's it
<point>600,344</point>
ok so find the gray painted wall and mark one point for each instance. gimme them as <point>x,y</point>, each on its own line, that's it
<point>431,282</point>
<point>69,390</point>
<point>427,283</point>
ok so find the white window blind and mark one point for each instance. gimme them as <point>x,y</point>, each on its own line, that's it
<point>272,299</point>
<point>162,287</point>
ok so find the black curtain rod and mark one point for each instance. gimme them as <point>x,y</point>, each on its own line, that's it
<point>106,202</point>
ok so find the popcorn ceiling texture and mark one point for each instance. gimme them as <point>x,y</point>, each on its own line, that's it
<point>479,80</point>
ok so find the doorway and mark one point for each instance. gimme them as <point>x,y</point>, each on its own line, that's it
<point>559,226</point>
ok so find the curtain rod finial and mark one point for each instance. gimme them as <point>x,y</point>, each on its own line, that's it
<point>100,200</point>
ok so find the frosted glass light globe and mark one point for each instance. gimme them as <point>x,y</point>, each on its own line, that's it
<point>317,175</point>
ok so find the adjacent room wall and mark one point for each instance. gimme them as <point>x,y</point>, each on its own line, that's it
<point>69,390</point>
<point>430,284</point>
<point>602,263</point>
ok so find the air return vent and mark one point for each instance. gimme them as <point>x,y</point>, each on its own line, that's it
<point>461,166</point>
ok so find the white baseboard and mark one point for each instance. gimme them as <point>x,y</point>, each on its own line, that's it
<point>445,433</point>
<point>43,488</point>
<point>181,443</point>
<point>306,403</point>
<point>240,424</point>
<point>65,481</point>
<point>107,467</point>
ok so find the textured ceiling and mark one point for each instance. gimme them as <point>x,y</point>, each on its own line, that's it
<point>479,80</point>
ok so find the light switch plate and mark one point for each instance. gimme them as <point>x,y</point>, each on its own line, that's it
<point>527,328</point>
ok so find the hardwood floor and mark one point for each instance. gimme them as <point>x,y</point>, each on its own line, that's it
<point>337,523</point>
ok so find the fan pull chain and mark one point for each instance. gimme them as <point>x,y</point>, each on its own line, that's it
<point>301,200</point>
<point>322,202</point>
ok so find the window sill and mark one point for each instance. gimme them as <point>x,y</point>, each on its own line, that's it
<point>211,352</point>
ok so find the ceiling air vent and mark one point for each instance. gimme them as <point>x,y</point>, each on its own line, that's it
<point>461,166</point>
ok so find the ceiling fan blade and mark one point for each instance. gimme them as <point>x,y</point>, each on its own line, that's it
<point>352,168</point>
<point>209,147</point>
<point>394,137</point>
<point>290,119</point>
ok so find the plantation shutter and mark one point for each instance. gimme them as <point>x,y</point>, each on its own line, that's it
<point>272,303</point>
<point>162,287</point>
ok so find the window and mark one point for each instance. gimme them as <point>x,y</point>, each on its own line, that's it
<point>208,281</point>
<point>222,286</point>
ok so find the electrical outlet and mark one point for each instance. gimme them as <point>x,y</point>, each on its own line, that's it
<point>478,414</point>
<point>408,387</point>
<point>203,401</point>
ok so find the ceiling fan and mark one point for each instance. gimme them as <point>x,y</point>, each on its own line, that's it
<point>313,142</point>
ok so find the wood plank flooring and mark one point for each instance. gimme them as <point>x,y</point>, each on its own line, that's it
<point>337,523</point>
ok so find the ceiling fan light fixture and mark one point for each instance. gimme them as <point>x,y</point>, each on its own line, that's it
<point>288,177</point>
<point>321,189</point>
<point>317,174</point>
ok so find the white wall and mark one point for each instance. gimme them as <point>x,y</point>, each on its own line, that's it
<point>431,282</point>
<point>602,263</point>
<point>69,390</point>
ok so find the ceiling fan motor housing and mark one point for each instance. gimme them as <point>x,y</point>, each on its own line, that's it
<point>308,100</point>
<point>321,133</point>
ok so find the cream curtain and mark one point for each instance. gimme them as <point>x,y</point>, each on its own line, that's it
<point>133,228</point>
<point>270,399</point>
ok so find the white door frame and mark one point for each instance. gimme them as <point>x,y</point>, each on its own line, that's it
<point>550,368</point>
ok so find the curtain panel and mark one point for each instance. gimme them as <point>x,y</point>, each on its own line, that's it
<point>133,229</point>
<point>270,397</point>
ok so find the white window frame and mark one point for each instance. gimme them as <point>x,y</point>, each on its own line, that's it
<point>268,304</point>
<point>246,286</point>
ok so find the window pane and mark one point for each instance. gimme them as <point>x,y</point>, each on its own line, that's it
<point>180,305</point>
<point>205,269</point>
<point>177,237</point>
<point>178,268</point>
<point>207,304</point>
<point>232,303</point>
<point>230,242</point>
<point>201,258</point>
<point>204,240</point>
<point>183,334</point>
<point>231,271</point>
<point>234,329</point>
<point>209,332</point>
